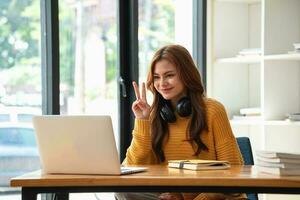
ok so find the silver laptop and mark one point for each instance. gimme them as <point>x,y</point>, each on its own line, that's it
<point>78,145</point>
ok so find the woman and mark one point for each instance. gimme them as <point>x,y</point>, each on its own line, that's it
<point>181,123</point>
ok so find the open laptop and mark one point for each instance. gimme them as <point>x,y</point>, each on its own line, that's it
<point>78,145</point>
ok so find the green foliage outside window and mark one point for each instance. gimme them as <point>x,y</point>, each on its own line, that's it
<point>20,38</point>
<point>19,32</point>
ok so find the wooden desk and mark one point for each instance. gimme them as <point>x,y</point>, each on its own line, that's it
<point>158,179</point>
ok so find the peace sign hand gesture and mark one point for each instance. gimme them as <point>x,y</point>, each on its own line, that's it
<point>140,106</point>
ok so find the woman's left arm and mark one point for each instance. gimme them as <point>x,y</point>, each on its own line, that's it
<point>226,149</point>
<point>225,142</point>
<point>226,145</point>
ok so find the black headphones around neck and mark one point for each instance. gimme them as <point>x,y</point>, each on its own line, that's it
<point>183,108</point>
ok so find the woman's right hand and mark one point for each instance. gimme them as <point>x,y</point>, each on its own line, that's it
<point>140,106</point>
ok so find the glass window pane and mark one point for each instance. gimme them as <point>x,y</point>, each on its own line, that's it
<point>88,60</point>
<point>25,117</point>
<point>162,22</point>
<point>4,117</point>
<point>20,89</point>
<point>88,57</point>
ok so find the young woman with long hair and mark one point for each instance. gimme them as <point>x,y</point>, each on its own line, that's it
<point>181,123</point>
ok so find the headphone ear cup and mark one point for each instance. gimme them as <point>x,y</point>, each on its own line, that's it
<point>184,107</point>
<point>167,114</point>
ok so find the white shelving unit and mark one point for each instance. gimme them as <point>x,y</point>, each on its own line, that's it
<point>291,57</point>
<point>270,80</point>
<point>240,59</point>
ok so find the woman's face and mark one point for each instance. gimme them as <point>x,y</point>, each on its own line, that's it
<point>167,81</point>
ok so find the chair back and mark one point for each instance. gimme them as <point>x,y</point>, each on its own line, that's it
<point>246,151</point>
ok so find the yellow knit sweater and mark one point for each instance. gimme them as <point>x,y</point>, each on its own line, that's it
<point>219,140</point>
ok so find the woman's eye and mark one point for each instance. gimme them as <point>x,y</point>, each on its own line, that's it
<point>170,75</point>
<point>155,77</point>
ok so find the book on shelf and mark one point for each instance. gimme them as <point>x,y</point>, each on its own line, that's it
<point>296,49</point>
<point>248,56</point>
<point>250,111</point>
<point>296,46</point>
<point>247,117</point>
<point>279,171</point>
<point>197,164</point>
<point>294,116</point>
<point>250,51</point>
<point>280,163</point>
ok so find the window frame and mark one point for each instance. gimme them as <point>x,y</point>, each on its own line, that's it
<point>50,57</point>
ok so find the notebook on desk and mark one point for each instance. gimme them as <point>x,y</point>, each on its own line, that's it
<point>78,145</point>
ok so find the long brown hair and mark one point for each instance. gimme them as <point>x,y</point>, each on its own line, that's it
<point>191,79</point>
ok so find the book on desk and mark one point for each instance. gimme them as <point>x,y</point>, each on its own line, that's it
<point>280,163</point>
<point>197,164</point>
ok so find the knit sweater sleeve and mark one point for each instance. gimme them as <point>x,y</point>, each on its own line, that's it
<point>225,142</point>
<point>140,151</point>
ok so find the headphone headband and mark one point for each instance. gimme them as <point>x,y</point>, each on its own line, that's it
<point>183,108</point>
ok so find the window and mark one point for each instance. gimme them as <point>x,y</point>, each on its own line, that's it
<point>17,136</point>
<point>20,88</point>
<point>161,23</point>
<point>88,62</point>
<point>88,58</point>
<point>4,117</point>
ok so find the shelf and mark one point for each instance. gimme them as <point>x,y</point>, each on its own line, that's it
<point>268,78</point>
<point>282,123</point>
<point>257,59</point>
<point>291,56</point>
<point>267,122</point>
<point>241,59</point>
<point>246,122</point>
<point>241,1</point>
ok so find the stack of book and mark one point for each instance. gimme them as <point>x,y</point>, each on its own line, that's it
<point>294,116</point>
<point>296,48</point>
<point>248,114</point>
<point>278,163</point>
<point>250,52</point>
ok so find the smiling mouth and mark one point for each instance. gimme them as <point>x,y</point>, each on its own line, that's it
<point>166,90</point>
